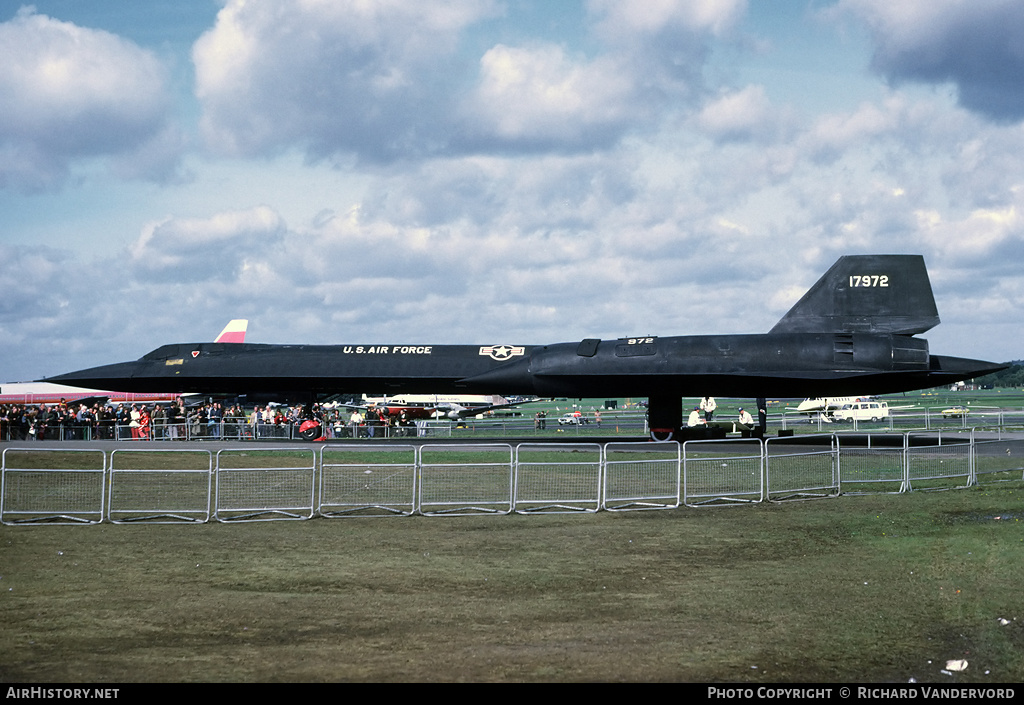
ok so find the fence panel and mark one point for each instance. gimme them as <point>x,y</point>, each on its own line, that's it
<point>641,476</point>
<point>434,429</point>
<point>259,432</point>
<point>126,432</point>
<point>261,484</point>
<point>998,454</point>
<point>878,467</point>
<point>729,471</point>
<point>795,472</point>
<point>554,478</point>
<point>367,480</point>
<point>160,486</point>
<point>52,486</point>
<point>460,479</point>
<point>938,461</point>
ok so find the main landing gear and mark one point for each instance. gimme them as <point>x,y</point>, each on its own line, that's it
<point>664,417</point>
<point>665,420</point>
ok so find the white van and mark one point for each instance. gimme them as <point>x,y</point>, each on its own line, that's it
<point>862,411</point>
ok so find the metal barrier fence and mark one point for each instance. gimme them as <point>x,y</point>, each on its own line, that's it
<point>227,429</point>
<point>723,472</point>
<point>375,481</point>
<point>281,487</point>
<point>242,429</point>
<point>800,473</point>
<point>905,420</point>
<point>641,476</point>
<point>460,479</point>
<point>250,483</point>
<point>871,470</point>
<point>557,478</point>
<point>998,455</point>
<point>159,486</point>
<point>934,465</point>
<point>898,420</point>
<point>58,491</point>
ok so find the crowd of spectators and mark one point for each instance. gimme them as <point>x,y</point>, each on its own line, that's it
<point>63,421</point>
<point>68,421</point>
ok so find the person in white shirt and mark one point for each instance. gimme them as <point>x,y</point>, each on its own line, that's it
<point>708,406</point>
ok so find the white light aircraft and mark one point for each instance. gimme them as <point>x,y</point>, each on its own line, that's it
<point>825,404</point>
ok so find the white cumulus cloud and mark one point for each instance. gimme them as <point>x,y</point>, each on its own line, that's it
<point>195,249</point>
<point>69,93</point>
<point>336,77</point>
<point>651,17</point>
<point>540,94</point>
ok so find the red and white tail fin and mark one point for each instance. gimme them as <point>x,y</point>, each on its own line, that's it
<point>234,332</point>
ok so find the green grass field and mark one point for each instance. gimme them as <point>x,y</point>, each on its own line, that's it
<point>871,588</point>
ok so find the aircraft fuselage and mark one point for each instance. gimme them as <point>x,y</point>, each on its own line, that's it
<point>790,364</point>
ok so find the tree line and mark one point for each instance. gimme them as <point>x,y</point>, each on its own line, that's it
<point>1012,376</point>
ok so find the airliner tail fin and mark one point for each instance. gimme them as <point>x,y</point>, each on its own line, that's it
<point>234,332</point>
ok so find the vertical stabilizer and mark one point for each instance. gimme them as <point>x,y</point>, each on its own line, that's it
<point>866,294</point>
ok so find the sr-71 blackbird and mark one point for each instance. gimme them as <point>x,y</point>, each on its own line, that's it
<point>852,333</point>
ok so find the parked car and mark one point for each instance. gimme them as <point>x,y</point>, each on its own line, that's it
<point>572,420</point>
<point>955,411</point>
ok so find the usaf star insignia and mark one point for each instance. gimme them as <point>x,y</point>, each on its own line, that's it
<point>502,352</point>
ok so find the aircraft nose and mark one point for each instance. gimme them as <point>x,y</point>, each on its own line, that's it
<point>114,377</point>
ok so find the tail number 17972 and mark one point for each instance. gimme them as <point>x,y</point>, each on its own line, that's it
<point>869,280</point>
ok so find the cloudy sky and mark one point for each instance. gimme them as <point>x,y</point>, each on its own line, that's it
<point>494,171</point>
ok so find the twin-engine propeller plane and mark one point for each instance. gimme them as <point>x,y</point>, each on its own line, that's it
<point>822,405</point>
<point>853,332</point>
<point>433,406</point>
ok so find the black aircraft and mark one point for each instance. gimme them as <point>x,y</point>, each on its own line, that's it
<point>853,332</point>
